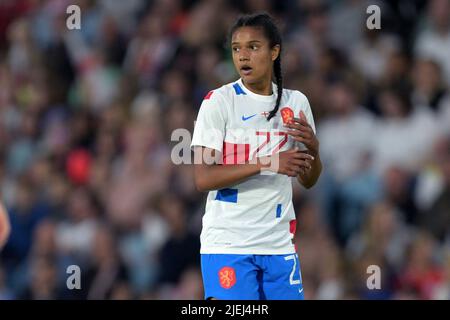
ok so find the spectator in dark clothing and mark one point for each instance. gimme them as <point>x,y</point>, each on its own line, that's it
<point>182,249</point>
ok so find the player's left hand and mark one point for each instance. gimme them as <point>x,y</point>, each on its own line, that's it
<point>301,131</point>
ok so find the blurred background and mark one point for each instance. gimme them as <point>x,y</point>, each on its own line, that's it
<point>86,118</point>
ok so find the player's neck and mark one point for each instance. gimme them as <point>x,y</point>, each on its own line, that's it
<point>263,87</point>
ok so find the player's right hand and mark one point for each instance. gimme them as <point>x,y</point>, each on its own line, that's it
<point>291,162</point>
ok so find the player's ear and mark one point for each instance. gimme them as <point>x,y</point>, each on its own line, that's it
<point>275,51</point>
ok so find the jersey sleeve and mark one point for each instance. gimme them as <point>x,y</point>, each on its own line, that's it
<point>209,129</point>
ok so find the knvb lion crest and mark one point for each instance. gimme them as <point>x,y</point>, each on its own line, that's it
<point>287,115</point>
<point>227,277</point>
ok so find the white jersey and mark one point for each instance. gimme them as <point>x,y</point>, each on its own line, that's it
<point>255,216</point>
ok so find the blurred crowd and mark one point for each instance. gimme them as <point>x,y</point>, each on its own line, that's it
<point>86,118</point>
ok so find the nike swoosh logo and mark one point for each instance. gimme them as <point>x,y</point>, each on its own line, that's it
<point>244,118</point>
<point>300,290</point>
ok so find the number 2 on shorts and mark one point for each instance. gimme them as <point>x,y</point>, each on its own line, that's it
<point>291,277</point>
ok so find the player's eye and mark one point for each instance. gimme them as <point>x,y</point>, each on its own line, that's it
<point>254,47</point>
<point>235,49</point>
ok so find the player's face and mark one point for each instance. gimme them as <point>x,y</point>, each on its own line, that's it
<point>252,55</point>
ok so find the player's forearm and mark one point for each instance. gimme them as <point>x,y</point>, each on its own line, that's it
<point>214,177</point>
<point>311,176</point>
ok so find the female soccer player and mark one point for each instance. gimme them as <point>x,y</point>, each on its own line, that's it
<point>250,138</point>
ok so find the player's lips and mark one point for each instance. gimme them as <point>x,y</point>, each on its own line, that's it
<point>246,70</point>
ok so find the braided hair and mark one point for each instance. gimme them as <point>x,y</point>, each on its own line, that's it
<point>272,33</point>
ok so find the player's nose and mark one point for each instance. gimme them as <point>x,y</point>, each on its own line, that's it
<point>243,56</point>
